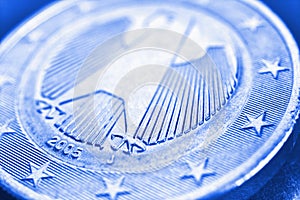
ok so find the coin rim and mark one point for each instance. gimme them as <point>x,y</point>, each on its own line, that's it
<point>8,182</point>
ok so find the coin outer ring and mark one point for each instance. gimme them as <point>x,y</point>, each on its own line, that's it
<point>286,124</point>
<point>292,113</point>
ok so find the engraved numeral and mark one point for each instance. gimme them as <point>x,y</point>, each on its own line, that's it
<point>63,146</point>
<point>53,141</point>
<point>68,149</point>
<point>77,152</point>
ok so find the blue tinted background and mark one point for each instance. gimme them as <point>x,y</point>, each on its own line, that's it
<point>13,12</point>
<point>286,183</point>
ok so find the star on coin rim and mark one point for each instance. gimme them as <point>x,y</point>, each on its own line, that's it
<point>292,108</point>
<point>15,36</point>
<point>35,171</point>
<point>252,123</point>
<point>113,188</point>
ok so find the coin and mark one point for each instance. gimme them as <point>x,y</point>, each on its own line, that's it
<point>134,100</point>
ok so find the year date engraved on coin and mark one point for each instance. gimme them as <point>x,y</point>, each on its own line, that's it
<point>64,147</point>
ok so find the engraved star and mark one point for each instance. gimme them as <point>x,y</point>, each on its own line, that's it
<point>6,129</point>
<point>257,123</point>
<point>199,171</point>
<point>272,67</point>
<point>252,24</point>
<point>113,188</point>
<point>38,173</point>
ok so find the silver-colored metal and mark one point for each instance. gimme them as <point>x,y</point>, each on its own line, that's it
<point>144,100</point>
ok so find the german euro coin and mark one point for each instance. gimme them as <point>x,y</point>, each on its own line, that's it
<point>144,99</point>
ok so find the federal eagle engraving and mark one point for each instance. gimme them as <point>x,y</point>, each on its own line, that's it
<point>146,100</point>
<point>177,110</point>
<point>188,93</point>
<point>180,104</point>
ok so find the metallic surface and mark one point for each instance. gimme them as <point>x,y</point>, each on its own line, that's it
<point>246,126</point>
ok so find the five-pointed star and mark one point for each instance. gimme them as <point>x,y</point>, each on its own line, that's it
<point>38,173</point>
<point>199,171</point>
<point>113,188</point>
<point>257,123</point>
<point>252,24</point>
<point>272,67</point>
<point>5,129</point>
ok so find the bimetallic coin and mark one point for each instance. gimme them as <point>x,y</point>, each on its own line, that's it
<point>144,100</point>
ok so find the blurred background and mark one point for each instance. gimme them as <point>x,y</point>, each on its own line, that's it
<point>285,184</point>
